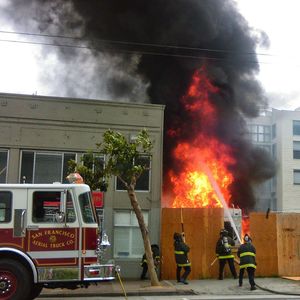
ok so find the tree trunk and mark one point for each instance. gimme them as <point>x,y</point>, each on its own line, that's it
<point>145,234</point>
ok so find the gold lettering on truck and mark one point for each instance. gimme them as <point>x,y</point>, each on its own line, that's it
<point>51,238</point>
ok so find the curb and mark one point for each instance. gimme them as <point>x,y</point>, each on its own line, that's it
<point>67,294</point>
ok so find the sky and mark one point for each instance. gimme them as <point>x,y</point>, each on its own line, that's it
<point>22,65</point>
<point>280,68</point>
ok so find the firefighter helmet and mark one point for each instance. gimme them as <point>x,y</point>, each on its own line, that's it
<point>247,238</point>
<point>177,236</point>
<point>224,232</point>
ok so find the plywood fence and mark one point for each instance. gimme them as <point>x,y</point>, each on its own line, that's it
<point>263,232</point>
<point>202,227</point>
<point>277,241</point>
<point>276,237</point>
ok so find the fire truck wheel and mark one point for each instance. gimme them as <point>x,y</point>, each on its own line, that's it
<point>35,291</point>
<point>14,280</point>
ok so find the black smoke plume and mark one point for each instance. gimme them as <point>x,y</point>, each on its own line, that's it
<point>162,43</point>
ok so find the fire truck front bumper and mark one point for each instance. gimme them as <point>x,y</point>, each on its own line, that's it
<point>100,272</point>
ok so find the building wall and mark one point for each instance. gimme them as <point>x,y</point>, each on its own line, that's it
<point>283,192</point>
<point>76,125</point>
<point>263,191</point>
<point>290,192</point>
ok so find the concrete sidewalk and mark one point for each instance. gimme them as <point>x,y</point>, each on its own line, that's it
<point>226,287</point>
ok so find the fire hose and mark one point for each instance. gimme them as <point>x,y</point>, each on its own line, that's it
<point>276,292</point>
<point>263,288</point>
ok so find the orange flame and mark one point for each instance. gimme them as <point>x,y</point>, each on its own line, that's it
<point>191,186</point>
<point>245,225</point>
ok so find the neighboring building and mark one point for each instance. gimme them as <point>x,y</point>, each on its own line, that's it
<point>40,134</point>
<point>278,131</point>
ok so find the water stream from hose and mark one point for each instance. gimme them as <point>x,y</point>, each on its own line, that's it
<point>221,197</point>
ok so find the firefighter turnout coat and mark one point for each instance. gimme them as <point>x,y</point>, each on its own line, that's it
<point>181,251</point>
<point>246,253</point>
<point>223,247</point>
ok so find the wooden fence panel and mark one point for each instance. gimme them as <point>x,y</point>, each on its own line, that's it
<point>263,231</point>
<point>202,227</point>
<point>276,237</point>
<point>288,237</point>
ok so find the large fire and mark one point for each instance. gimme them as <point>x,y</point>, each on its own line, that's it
<point>192,185</point>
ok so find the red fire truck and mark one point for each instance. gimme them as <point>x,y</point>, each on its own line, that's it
<point>49,237</point>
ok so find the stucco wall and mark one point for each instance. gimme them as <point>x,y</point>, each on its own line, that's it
<point>65,124</point>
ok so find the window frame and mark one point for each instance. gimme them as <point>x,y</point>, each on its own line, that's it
<point>6,167</point>
<point>260,133</point>
<point>9,207</point>
<point>131,226</point>
<point>63,164</point>
<point>149,171</point>
<point>274,131</point>
<point>96,156</point>
<point>296,151</point>
<point>61,207</point>
<point>296,171</point>
<point>86,199</point>
<point>296,127</point>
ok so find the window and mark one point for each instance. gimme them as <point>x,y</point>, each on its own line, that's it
<point>3,165</point>
<point>274,150</point>
<point>260,133</point>
<point>44,167</point>
<point>296,150</point>
<point>86,208</point>
<point>296,176</point>
<point>143,182</point>
<point>93,161</point>
<point>45,205</point>
<point>267,148</point>
<point>273,131</point>
<point>5,206</point>
<point>128,240</point>
<point>296,127</point>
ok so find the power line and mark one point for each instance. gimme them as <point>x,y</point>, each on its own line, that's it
<point>136,43</point>
<point>109,44</point>
<point>128,51</point>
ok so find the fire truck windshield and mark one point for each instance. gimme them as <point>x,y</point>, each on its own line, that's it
<point>86,208</point>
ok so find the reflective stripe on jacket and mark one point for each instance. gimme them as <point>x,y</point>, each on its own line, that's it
<point>225,256</point>
<point>246,253</point>
<point>156,260</point>
<point>180,251</point>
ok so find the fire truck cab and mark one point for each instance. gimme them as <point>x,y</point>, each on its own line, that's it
<point>49,237</point>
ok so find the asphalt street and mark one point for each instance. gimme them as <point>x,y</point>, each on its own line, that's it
<point>212,297</point>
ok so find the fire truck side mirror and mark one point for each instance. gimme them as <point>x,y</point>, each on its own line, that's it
<point>60,217</point>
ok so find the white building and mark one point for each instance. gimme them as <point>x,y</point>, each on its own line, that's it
<point>278,131</point>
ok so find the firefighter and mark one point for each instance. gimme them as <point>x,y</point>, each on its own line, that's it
<point>224,254</point>
<point>246,253</point>
<point>181,250</point>
<point>156,259</point>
